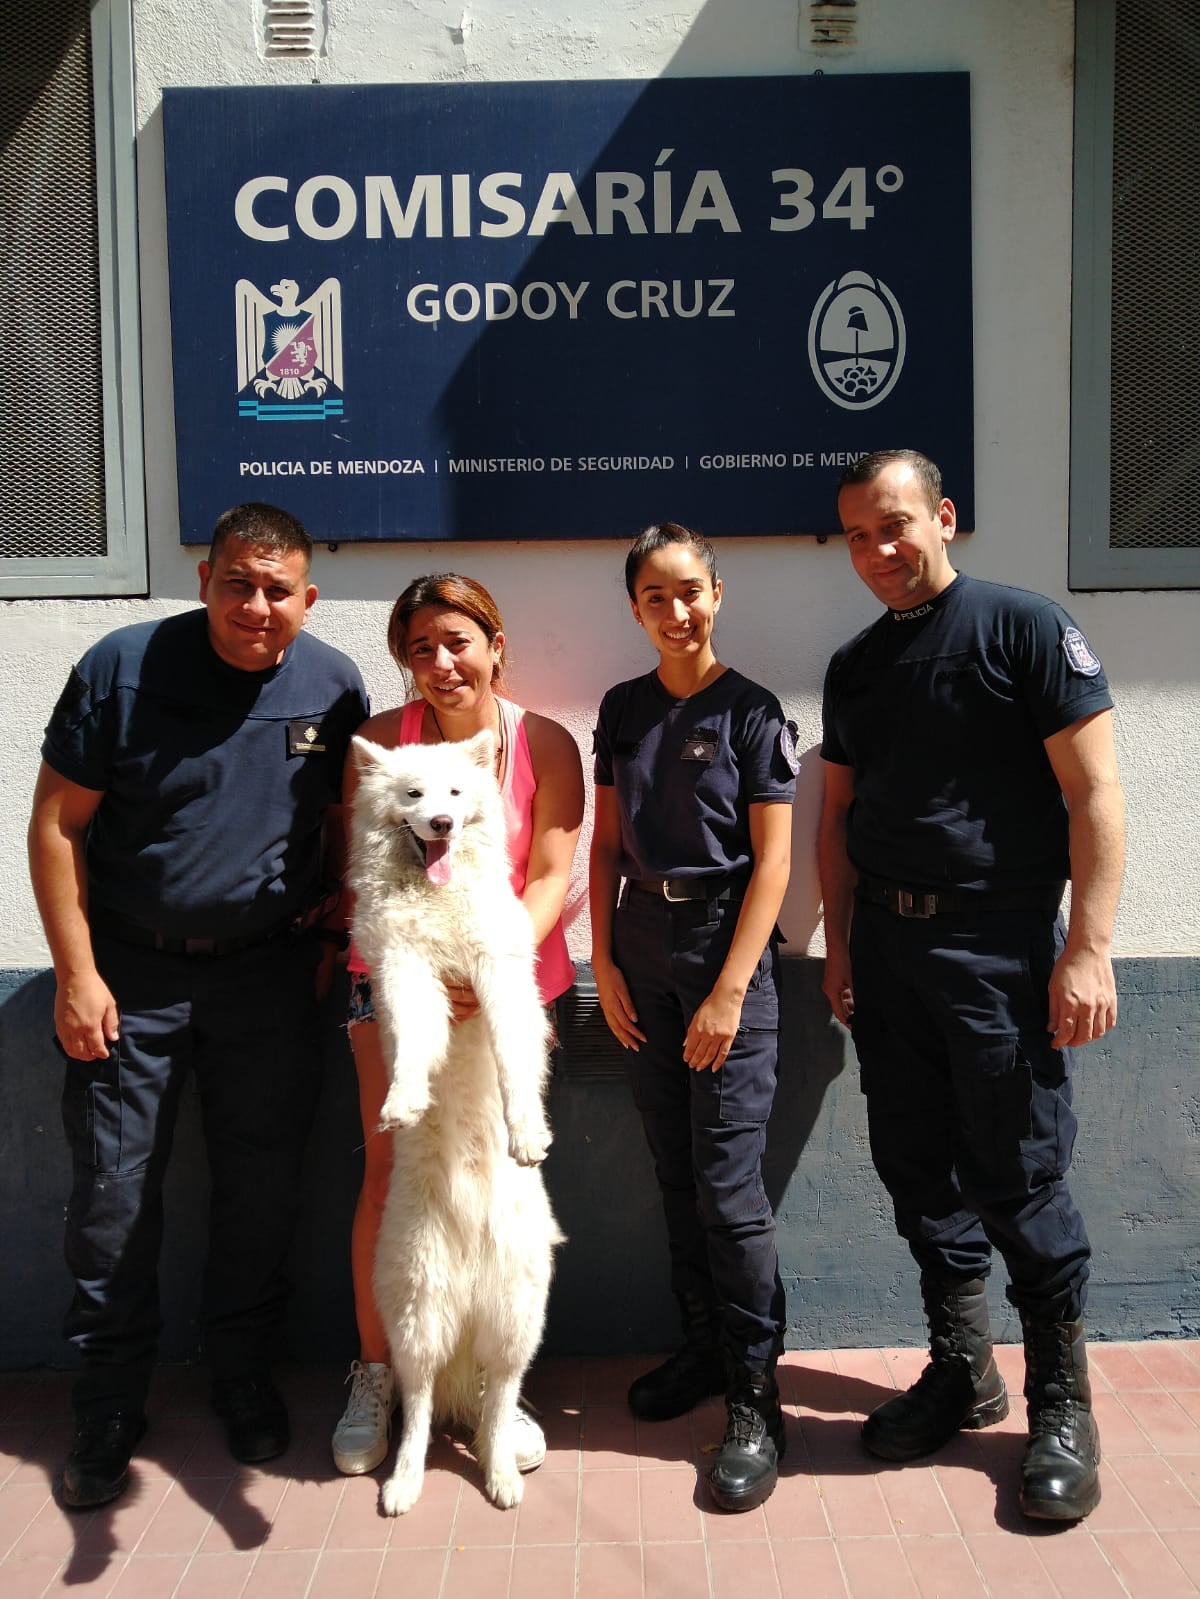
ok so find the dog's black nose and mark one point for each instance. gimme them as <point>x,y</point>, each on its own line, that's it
<point>442,825</point>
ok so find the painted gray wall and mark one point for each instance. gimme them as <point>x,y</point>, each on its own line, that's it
<point>849,1280</point>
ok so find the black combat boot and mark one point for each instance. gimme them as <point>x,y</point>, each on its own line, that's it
<point>746,1470</point>
<point>960,1387</point>
<point>1060,1472</point>
<point>693,1373</point>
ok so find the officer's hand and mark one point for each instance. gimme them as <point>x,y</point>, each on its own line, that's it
<point>618,1008</point>
<point>1083,999</point>
<point>85,1016</point>
<point>837,986</point>
<point>713,1029</point>
<point>463,1002</point>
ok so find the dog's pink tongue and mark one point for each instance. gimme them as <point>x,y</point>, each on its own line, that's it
<point>437,861</point>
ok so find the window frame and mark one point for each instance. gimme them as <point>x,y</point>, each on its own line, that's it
<point>124,569</point>
<point>1093,563</point>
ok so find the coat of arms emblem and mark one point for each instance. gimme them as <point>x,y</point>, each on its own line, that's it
<point>289,351</point>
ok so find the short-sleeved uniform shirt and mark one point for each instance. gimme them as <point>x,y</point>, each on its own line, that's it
<point>686,772</point>
<point>942,711</point>
<point>215,780</point>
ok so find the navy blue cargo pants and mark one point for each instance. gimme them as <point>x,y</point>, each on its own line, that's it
<point>707,1130</point>
<point>969,1107</point>
<point>245,1024</point>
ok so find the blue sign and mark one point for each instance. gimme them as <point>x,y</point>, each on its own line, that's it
<point>564,310</point>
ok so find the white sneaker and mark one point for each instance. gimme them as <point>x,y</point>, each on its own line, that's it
<point>529,1439</point>
<point>360,1439</point>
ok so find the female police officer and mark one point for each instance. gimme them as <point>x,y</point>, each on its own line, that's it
<point>695,774</point>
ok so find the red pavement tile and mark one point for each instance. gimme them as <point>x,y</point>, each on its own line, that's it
<point>731,1526</point>
<point>303,1517</point>
<point>285,1574</point>
<point>553,1382</point>
<point>675,1571</point>
<point>1076,1565</point>
<point>606,1382</point>
<point>430,1522</point>
<point>1169,1364</point>
<point>610,1510</point>
<point>876,1569</point>
<point>854,1504</point>
<point>1009,1566</point>
<point>668,1503</point>
<point>343,1572</point>
<point>26,1579</point>
<point>610,1571</point>
<point>943,1566</point>
<point>19,1504</point>
<point>664,1443</point>
<point>1120,1367</point>
<point>975,1498</point>
<point>608,1439</point>
<point>562,1429</point>
<point>479,1523</point>
<point>122,1524</point>
<point>220,1576</point>
<point>411,1573</point>
<point>915,1501</point>
<point>1145,1565</point>
<point>809,1568</point>
<point>1185,1546</point>
<point>739,1569</point>
<point>548,1572</point>
<point>149,1577</point>
<point>549,1513</point>
<point>1167,1425</point>
<point>796,1508</point>
<point>1189,1400</point>
<point>358,1522</point>
<point>243,1518</point>
<point>1119,1433</point>
<point>473,1573</point>
<point>179,1527</point>
<point>1158,1490</point>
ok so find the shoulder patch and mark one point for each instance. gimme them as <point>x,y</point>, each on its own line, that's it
<point>1079,653</point>
<point>787,745</point>
<point>72,700</point>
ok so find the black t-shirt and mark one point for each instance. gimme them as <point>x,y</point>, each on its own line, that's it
<point>215,780</point>
<point>942,711</point>
<point>687,771</point>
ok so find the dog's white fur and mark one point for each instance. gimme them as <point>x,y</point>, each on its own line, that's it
<point>462,1270</point>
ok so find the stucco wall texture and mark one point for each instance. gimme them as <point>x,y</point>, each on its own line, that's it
<point>789,602</point>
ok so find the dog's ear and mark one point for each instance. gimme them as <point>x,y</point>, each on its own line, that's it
<point>366,753</point>
<point>481,749</point>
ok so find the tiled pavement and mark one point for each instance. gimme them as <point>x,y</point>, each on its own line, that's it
<point>616,1511</point>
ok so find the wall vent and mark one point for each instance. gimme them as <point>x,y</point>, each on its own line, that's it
<point>294,28</point>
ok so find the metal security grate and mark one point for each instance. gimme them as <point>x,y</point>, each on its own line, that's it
<point>1156,277</point>
<point>51,411</point>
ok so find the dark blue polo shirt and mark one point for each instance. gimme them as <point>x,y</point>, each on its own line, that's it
<point>215,781</point>
<point>942,711</point>
<point>687,771</point>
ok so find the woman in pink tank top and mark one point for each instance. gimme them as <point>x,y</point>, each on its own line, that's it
<point>446,634</point>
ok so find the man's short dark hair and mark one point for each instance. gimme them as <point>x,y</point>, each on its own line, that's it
<point>266,527</point>
<point>868,467</point>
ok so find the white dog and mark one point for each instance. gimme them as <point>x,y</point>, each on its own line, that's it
<point>463,1266</point>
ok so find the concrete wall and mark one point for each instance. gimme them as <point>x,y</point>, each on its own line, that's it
<point>788,603</point>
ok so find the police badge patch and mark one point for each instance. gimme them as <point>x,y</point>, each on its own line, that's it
<point>1079,653</point>
<point>787,745</point>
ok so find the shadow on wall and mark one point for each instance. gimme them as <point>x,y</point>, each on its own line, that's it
<point>849,1279</point>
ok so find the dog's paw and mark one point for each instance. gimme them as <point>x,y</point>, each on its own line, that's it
<point>401,1109</point>
<point>505,1487</point>
<point>400,1492</point>
<point>529,1142</point>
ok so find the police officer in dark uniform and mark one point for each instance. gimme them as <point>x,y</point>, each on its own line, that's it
<point>969,772</point>
<point>189,771</point>
<point>695,774</point>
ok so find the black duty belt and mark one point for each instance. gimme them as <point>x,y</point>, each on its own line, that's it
<point>675,889</point>
<point>924,903</point>
<point>127,932</point>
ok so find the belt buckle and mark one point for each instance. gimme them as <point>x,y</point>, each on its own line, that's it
<point>672,899</point>
<point>906,904</point>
